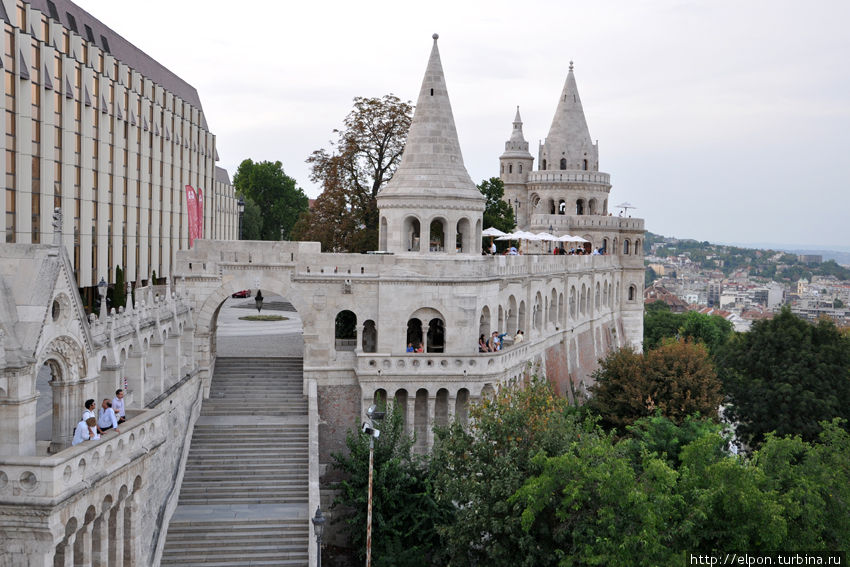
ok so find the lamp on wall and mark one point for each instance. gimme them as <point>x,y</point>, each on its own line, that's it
<point>319,529</point>
<point>240,206</point>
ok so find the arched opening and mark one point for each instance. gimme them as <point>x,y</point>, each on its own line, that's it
<point>543,165</point>
<point>550,205</point>
<point>591,205</point>
<point>464,236</point>
<point>484,322</point>
<point>370,337</point>
<point>384,228</point>
<point>400,400</point>
<point>562,207</point>
<point>537,311</point>
<point>414,335</point>
<point>585,165</point>
<point>510,168</point>
<point>563,163</point>
<point>522,320</point>
<point>411,234</point>
<point>520,168</point>
<point>441,408</point>
<point>636,248</point>
<point>462,407</point>
<point>632,293</point>
<point>345,330</point>
<point>512,315</point>
<point>420,421</point>
<point>436,335</point>
<point>580,206</point>
<point>604,245</point>
<point>437,238</point>
<point>626,246</point>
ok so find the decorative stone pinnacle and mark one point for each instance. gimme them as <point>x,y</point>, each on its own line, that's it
<point>571,65</point>
<point>435,37</point>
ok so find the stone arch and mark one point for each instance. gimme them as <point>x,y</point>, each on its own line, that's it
<point>563,163</point>
<point>605,245</point>
<point>412,233</point>
<point>580,208</point>
<point>462,407</point>
<point>464,236</point>
<point>543,165</point>
<point>432,328</point>
<point>572,302</point>
<point>626,246</point>
<point>400,400</point>
<point>562,207</point>
<point>420,421</point>
<point>476,237</point>
<point>535,200</point>
<point>488,392</point>
<point>636,248</point>
<point>591,207</point>
<point>484,322</point>
<point>384,231</point>
<point>379,397</point>
<point>550,206</point>
<point>370,336</point>
<point>632,292</point>
<point>441,408</point>
<point>513,323</point>
<point>438,231</point>
<point>523,322</point>
<point>345,330</point>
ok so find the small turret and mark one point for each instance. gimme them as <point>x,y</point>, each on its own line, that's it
<point>514,167</point>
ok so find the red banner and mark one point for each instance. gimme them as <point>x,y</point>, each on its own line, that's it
<point>200,213</point>
<point>192,210</point>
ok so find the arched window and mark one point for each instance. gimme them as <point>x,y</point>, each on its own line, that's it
<point>580,206</point>
<point>345,330</point>
<point>484,323</point>
<point>563,163</point>
<point>585,165</point>
<point>522,323</point>
<point>370,337</point>
<point>510,168</point>
<point>411,234</point>
<point>562,207</point>
<point>551,206</point>
<point>513,324</point>
<point>463,242</point>
<point>544,165</point>
<point>437,242</point>
<point>436,335</point>
<point>604,245</point>
<point>520,168</point>
<point>591,205</point>
<point>632,292</point>
<point>636,248</point>
<point>626,246</point>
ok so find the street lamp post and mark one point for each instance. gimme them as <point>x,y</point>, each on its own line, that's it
<point>240,206</point>
<point>319,529</point>
<point>369,429</point>
<point>258,299</point>
<point>101,291</point>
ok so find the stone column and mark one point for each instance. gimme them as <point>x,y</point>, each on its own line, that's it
<point>450,235</point>
<point>429,421</point>
<point>65,415</point>
<point>452,402</point>
<point>82,548</point>
<point>410,413</point>
<point>116,535</point>
<point>100,540</point>
<point>68,550</point>
<point>132,539</point>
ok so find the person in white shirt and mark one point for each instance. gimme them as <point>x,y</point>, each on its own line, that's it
<point>118,405</point>
<point>89,411</point>
<point>86,429</point>
<point>106,417</point>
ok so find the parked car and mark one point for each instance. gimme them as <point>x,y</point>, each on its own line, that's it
<point>242,294</point>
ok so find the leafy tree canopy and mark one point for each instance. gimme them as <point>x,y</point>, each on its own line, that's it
<point>274,193</point>
<point>361,160</point>
<point>498,213</point>
<point>786,375</point>
<point>660,323</point>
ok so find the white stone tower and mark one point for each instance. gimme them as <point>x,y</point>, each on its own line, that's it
<point>431,204</point>
<point>514,166</point>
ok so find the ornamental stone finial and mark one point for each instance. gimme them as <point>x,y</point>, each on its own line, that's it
<point>435,37</point>
<point>571,65</point>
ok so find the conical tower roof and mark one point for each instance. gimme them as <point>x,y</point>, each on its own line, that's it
<point>432,164</point>
<point>516,147</point>
<point>569,137</point>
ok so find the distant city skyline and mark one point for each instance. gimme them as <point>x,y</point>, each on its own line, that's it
<point>721,121</point>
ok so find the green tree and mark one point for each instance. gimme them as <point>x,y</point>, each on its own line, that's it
<point>276,195</point>
<point>476,470</point>
<point>252,221</point>
<point>661,323</point>
<point>361,160</point>
<point>404,511</point>
<point>786,375</point>
<point>498,213</point>
<point>676,379</point>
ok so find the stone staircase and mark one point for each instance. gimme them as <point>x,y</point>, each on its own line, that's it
<point>243,500</point>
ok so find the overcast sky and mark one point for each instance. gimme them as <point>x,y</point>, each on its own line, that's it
<point>721,120</point>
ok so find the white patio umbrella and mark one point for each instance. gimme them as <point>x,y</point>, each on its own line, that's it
<point>546,236</point>
<point>492,231</point>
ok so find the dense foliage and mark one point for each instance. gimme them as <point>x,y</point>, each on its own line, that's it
<point>660,323</point>
<point>361,160</point>
<point>265,185</point>
<point>498,213</point>
<point>787,375</point>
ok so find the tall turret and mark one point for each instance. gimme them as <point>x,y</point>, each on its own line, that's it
<point>568,145</point>
<point>514,167</point>
<point>431,203</point>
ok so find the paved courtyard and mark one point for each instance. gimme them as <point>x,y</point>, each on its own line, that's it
<point>259,338</point>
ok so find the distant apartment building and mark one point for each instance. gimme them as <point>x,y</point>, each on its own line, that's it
<point>100,130</point>
<point>810,258</point>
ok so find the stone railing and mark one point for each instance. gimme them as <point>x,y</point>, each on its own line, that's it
<point>574,223</point>
<point>443,366</point>
<point>569,176</point>
<point>44,480</point>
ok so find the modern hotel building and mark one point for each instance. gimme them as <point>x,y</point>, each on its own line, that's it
<point>97,128</point>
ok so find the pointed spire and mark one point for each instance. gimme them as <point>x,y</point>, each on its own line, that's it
<point>569,137</point>
<point>516,147</point>
<point>432,163</point>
